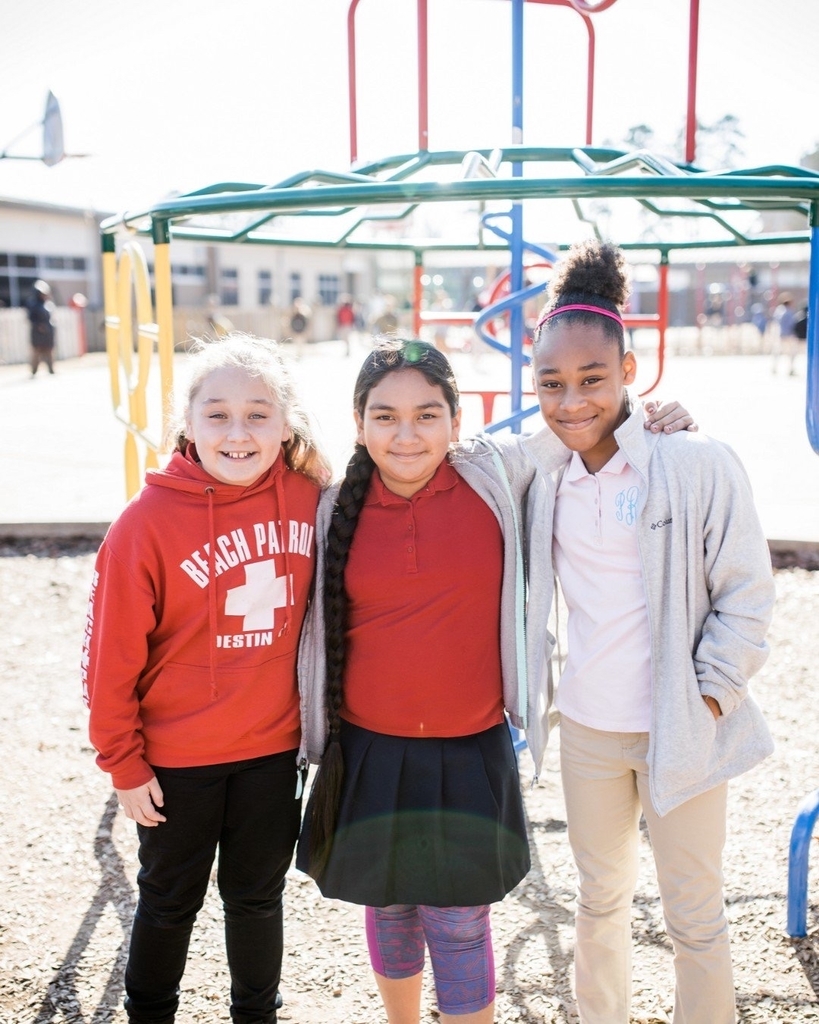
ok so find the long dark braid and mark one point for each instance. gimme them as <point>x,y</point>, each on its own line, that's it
<point>327,790</point>
<point>387,357</point>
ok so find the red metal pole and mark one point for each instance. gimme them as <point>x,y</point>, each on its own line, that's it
<point>590,83</point>
<point>417,295</point>
<point>693,44</point>
<point>662,323</point>
<point>423,68</point>
<point>351,80</point>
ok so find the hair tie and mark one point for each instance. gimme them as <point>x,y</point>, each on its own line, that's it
<point>578,305</point>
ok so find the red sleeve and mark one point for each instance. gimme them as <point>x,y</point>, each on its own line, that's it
<point>119,619</point>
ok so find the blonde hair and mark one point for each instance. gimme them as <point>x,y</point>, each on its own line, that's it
<point>261,358</point>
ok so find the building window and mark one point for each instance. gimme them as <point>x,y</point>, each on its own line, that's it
<point>65,274</point>
<point>181,271</point>
<point>229,286</point>
<point>328,287</point>
<point>265,281</point>
<point>295,286</point>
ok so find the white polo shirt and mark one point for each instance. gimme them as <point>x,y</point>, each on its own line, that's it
<point>606,682</point>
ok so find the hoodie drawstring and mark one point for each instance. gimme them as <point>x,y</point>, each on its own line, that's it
<point>289,594</point>
<point>212,610</point>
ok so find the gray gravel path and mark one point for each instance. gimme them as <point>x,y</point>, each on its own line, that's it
<point>67,858</point>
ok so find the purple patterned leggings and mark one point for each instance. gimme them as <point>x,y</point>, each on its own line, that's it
<point>460,948</point>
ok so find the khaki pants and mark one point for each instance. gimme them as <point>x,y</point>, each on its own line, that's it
<point>605,781</point>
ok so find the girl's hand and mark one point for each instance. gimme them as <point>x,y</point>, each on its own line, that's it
<point>713,706</point>
<point>141,804</point>
<point>667,417</point>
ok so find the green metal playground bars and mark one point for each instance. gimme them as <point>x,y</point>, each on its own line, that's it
<point>394,181</point>
<point>342,210</point>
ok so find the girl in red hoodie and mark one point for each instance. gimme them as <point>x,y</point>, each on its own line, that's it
<point>189,672</point>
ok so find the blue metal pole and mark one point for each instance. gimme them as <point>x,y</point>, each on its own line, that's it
<point>516,245</point>
<point>803,826</point>
<point>812,401</point>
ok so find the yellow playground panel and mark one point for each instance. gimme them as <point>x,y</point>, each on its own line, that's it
<point>128,290</point>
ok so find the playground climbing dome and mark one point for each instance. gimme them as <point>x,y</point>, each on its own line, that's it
<point>501,199</point>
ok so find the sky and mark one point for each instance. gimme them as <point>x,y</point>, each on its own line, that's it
<point>172,95</point>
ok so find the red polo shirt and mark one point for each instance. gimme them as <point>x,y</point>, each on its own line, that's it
<point>424,579</point>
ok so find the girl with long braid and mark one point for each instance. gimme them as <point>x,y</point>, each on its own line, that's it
<point>408,664</point>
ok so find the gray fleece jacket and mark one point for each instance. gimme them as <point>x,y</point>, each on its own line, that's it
<point>709,593</point>
<point>710,596</point>
<point>502,470</point>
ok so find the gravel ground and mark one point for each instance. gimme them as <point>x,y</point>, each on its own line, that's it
<point>67,858</point>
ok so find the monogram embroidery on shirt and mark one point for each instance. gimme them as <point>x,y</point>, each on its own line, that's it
<point>625,503</point>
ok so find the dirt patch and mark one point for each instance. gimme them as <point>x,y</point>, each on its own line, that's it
<point>68,859</point>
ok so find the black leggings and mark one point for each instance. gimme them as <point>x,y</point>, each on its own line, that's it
<point>249,810</point>
<point>40,354</point>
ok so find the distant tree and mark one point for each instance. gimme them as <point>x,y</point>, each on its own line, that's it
<point>718,146</point>
<point>811,158</point>
<point>718,143</point>
<point>639,136</point>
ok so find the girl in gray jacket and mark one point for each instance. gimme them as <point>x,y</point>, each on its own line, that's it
<point>409,656</point>
<point>667,578</point>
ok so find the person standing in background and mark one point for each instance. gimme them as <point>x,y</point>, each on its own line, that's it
<point>788,345</point>
<point>42,327</point>
<point>345,321</point>
<point>300,317</point>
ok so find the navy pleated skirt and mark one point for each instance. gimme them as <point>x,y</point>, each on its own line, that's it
<point>437,822</point>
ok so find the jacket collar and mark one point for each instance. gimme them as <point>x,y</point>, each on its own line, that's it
<point>636,442</point>
<point>549,453</point>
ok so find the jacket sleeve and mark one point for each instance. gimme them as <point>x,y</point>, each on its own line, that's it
<point>522,454</point>
<point>312,660</point>
<point>737,563</point>
<point>120,618</point>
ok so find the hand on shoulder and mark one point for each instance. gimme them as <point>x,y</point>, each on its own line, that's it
<point>667,417</point>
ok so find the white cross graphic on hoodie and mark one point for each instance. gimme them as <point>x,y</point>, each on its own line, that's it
<point>257,600</point>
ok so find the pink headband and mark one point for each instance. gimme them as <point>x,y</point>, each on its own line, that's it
<point>589,309</point>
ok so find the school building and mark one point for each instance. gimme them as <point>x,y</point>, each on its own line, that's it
<point>252,288</point>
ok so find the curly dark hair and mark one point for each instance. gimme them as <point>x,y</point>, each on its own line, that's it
<point>389,356</point>
<point>592,273</point>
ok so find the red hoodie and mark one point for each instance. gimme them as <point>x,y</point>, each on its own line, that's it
<point>190,659</point>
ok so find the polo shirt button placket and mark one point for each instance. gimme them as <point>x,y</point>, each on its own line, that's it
<point>412,561</point>
<point>598,508</point>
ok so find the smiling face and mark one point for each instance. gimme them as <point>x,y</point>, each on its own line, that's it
<point>580,379</point>
<point>236,425</point>
<point>407,428</point>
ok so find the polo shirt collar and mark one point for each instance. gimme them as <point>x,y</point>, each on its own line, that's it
<point>576,469</point>
<point>444,479</point>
